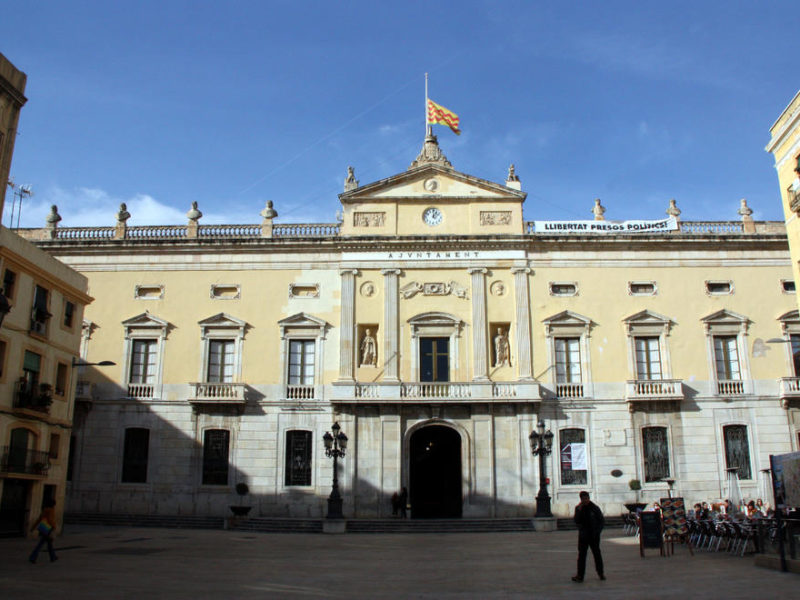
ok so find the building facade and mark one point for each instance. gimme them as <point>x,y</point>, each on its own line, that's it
<point>437,327</point>
<point>12,99</point>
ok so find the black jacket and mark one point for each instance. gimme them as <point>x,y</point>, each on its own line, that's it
<point>589,520</point>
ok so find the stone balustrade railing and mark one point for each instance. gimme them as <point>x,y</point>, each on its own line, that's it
<point>333,230</point>
<point>217,393</point>
<point>458,392</point>
<point>654,389</point>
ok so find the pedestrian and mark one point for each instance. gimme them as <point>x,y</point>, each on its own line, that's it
<point>403,502</point>
<point>46,526</point>
<point>395,504</point>
<point>589,519</point>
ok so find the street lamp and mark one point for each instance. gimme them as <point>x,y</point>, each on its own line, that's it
<point>541,446</point>
<point>102,363</point>
<point>335,446</point>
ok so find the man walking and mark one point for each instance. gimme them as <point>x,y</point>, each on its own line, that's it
<point>589,519</point>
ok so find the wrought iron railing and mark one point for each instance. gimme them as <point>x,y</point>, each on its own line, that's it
<point>22,460</point>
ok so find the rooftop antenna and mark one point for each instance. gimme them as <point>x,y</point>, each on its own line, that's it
<point>19,192</point>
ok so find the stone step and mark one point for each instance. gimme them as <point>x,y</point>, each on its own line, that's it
<point>134,520</point>
<point>568,523</point>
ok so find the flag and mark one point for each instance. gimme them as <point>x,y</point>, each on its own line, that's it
<point>439,115</point>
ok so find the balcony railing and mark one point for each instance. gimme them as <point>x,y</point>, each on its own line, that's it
<point>437,392</point>
<point>300,392</point>
<point>38,398</point>
<point>217,393</point>
<point>790,390</point>
<point>569,390</point>
<point>22,460</point>
<point>730,387</point>
<point>141,391</point>
<point>655,389</point>
<point>83,390</point>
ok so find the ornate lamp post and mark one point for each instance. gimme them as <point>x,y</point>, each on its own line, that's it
<point>542,446</point>
<point>335,446</point>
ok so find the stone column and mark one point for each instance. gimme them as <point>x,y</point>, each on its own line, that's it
<point>480,365</point>
<point>347,324</point>
<point>522,306</point>
<point>391,325</point>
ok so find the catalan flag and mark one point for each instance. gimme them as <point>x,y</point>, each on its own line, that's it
<point>439,115</point>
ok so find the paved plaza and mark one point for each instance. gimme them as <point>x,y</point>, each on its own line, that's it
<point>128,563</point>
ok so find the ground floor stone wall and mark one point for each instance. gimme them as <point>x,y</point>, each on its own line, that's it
<point>490,470</point>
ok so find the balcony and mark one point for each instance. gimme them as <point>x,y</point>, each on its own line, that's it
<point>570,391</point>
<point>790,390</point>
<point>731,387</point>
<point>653,390</point>
<point>141,391</point>
<point>24,461</point>
<point>227,394</point>
<point>38,398</point>
<point>300,392</point>
<point>445,392</point>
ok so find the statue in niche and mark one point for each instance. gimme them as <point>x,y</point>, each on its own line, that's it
<point>369,350</point>
<point>501,349</point>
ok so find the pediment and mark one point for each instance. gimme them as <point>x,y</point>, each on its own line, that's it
<point>301,322</point>
<point>567,317</point>
<point>145,320</point>
<point>791,316</point>
<point>725,316</point>
<point>648,317</point>
<point>223,321</point>
<point>442,183</point>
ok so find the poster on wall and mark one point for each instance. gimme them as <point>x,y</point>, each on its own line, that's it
<point>786,479</point>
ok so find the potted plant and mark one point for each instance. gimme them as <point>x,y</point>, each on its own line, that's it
<point>636,487</point>
<point>241,509</point>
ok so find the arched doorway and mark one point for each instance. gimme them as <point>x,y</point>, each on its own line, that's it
<point>435,473</point>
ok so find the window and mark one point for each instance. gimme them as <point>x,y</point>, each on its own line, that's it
<point>2,358</point>
<point>301,362</point>
<point>298,458</point>
<point>220,361</point>
<point>143,361</point>
<point>302,344</point>
<point>134,455</point>
<point>55,441</point>
<point>648,358</point>
<point>726,358</point>
<point>795,339</point>
<point>737,450</point>
<point>31,367</point>
<point>563,288</point>
<point>655,449</point>
<point>788,286</point>
<point>71,457</point>
<point>225,292</point>
<point>719,288</point>
<point>215,456</point>
<point>573,456</point>
<point>18,450</point>
<point>69,314</point>
<point>642,288</point>
<point>434,359</point>
<point>568,360</point>
<point>148,292</point>
<point>9,284</point>
<point>39,314</point>
<point>61,379</point>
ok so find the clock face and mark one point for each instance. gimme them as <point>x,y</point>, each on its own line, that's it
<point>432,216</point>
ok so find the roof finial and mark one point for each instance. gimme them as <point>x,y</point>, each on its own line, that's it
<point>350,182</point>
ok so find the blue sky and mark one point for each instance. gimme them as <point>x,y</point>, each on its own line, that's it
<point>231,104</point>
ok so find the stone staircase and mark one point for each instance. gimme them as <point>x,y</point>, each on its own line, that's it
<point>568,523</point>
<point>438,525</point>
<point>133,520</point>
<point>276,525</point>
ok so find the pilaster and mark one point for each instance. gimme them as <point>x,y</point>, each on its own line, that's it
<point>480,367</point>
<point>522,306</point>
<point>391,325</point>
<point>347,324</point>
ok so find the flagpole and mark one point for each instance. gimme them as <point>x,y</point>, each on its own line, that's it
<point>426,105</point>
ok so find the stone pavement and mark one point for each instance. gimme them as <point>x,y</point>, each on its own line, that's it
<point>128,563</point>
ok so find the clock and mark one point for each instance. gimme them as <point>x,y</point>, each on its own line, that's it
<point>432,216</point>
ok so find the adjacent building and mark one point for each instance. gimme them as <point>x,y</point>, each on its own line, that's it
<point>41,314</point>
<point>437,327</point>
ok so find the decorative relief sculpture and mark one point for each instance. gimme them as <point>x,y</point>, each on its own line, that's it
<point>369,350</point>
<point>502,355</point>
<point>498,288</point>
<point>496,217</point>
<point>435,288</point>
<point>369,219</point>
<point>367,289</point>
